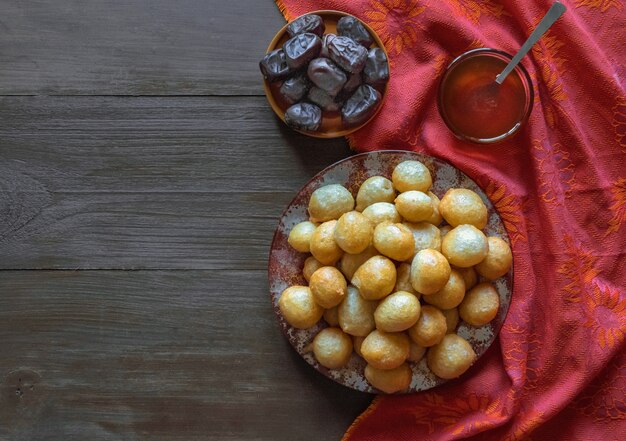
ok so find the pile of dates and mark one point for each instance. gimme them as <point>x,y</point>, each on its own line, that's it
<point>317,73</point>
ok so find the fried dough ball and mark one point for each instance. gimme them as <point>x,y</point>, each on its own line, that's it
<point>353,232</point>
<point>429,271</point>
<point>451,358</point>
<point>389,380</point>
<point>411,175</point>
<point>452,319</point>
<point>397,312</point>
<point>416,352</point>
<point>298,307</point>
<point>469,277</point>
<point>403,280</point>
<point>355,314</point>
<point>465,246</point>
<point>349,263</point>
<point>430,328</point>
<point>332,348</point>
<point>385,350</point>
<point>356,343</point>
<point>376,278</point>
<point>381,212</point>
<point>451,295</point>
<point>328,286</point>
<point>331,316</point>
<point>436,218</point>
<point>414,206</point>
<point>498,261</point>
<point>394,241</point>
<point>426,236</point>
<point>300,236</point>
<point>311,264</point>
<point>374,189</point>
<point>445,230</point>
<point>329,202</point>
<point>480,304</point>
<point>462,206</point>
<point>323,245</point>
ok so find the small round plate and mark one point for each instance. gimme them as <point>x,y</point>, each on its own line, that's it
<point>285,263</point>
<point>332,126</point>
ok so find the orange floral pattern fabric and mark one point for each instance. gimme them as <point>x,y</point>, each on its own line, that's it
<point>558,368</point>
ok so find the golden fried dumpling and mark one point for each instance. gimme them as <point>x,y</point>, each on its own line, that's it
<point>376,278</point>
<point>355,314</point>
<point>480,304</point>
<point>469,277</point>
<point>452,319</point>
<point>414,206</point>
<point>357,341</point>
<point>300,236</point>
<point>394,241</point>
<point>416,352</point>
<point>397,312</point>
<point>389,380</point>
<point>451,358</point>
<point>403,280</point>
<point>451,295</point>
<point>349,263</point>
<point>332,348</point>
<point>298,307</point>
<point>498,261</point>
<point>425,235</point>
<point>330,202</point>
<point>411,175</point>
<point>429,271</point>
<point>465,246</point>
<point>311,264</point>
<point>328,286</point>
<point>436,218</point>
<point>353,232</point>
<point>385,350</point>
<point>382,212</point>
<point>374,189</point>
<point>462,206</point>
<point>430,328</point>
<point>331,316</point>
<point>323,245</point>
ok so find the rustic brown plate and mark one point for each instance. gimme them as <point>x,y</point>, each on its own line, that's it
<point>285,263</point>
<point>332,126</point>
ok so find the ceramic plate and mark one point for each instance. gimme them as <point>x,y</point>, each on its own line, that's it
<point>285,263</point>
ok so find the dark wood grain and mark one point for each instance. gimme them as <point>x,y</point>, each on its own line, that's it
<point>134,47</point>
<point>147,182</point>
<point>156,355</point>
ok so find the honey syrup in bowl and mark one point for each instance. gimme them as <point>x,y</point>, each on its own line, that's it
<point>478,109</point>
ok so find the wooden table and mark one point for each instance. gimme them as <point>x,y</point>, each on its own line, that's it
<point>142,174</point>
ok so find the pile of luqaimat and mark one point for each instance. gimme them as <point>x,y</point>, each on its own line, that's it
<point>393,274</point>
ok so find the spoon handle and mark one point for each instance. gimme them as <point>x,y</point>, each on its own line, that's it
<point>555,11</point>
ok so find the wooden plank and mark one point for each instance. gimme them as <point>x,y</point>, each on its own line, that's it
<point>112,182</point>
<point>134,47</point>
<point>158,355</point>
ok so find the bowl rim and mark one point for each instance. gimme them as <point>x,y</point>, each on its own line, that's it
<point>344,131</point>
<point>521,72</point>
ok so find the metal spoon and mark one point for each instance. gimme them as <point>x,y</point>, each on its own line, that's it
<point>548,20</point>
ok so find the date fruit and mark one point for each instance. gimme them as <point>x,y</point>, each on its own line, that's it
<point>274,66</point>
<point>376,70</point>
<point>347,53</point>
<point>295,88</point>
<point>304,116</point>
<point>353,82</point>
<point>326,75</point>
<point>307,23</point>
<point>353,28</point>
<point>325,40</point>
<point>301,49</point>
<point>361,105</point>
<point>324,100</point>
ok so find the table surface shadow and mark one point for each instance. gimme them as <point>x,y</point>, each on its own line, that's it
<point>142,174</point>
